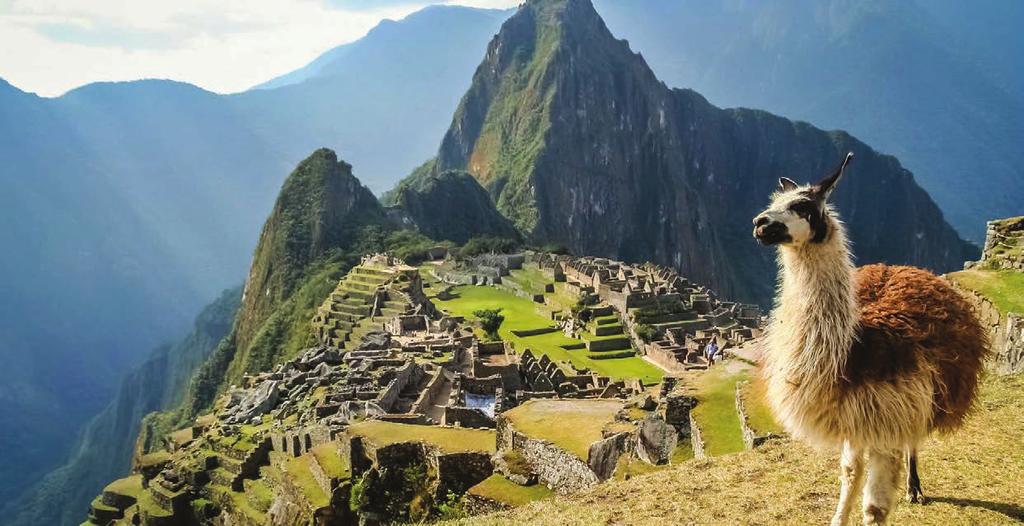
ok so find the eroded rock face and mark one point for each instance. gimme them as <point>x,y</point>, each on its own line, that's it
<point>604,455</point>
<point>257,402</point>
<point>580,144</point>
<point>656,440</point>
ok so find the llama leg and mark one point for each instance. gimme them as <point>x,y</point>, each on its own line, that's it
<point>883,481</point>
<point>914,493</point>
<point>851,477</point>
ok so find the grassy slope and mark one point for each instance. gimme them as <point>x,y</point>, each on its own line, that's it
<point>570,424</point>
<point>452,440</point>
<point>521,314</point>
<point>1004,287</point>
<point>971,477</point>
<point>501,489</point>
<point>716,410</point>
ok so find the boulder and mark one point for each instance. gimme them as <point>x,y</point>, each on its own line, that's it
<point>376,340</point>
<point>604,454</point>
<point>259,401</point>
<point>656,440</point>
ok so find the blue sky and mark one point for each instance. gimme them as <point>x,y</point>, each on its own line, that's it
<point>51,46</point>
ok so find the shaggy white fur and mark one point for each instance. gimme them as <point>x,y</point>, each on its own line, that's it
<point>812,328</point>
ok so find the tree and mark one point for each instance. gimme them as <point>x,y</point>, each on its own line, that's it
<point>646,332</point>
<point>490,321</point>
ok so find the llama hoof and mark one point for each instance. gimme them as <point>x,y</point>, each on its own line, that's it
<point>916,498</point>
<point>875,515</point>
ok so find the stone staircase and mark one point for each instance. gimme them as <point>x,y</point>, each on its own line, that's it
<point>351,302</point>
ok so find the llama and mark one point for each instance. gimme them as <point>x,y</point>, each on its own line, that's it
<point>868,360</point>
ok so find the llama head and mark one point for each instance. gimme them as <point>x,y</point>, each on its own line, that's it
<point>799,214</point>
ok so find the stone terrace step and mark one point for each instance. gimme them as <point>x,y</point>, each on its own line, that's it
<point>607,330</point>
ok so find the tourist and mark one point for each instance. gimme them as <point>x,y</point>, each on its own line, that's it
<point>710,351</point>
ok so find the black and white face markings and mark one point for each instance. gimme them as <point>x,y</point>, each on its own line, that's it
<point>811,208</point>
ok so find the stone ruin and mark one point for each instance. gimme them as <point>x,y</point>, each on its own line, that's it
<point>684,316</point>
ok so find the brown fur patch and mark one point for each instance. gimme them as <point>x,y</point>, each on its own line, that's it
<point>913,322</point>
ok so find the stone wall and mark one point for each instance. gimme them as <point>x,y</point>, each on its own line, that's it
<point>697,440</point>
<point>466,417</point>
<point>560,470</point>
<point>389,396</point>
<point>1005,332</point>
<point>429,395</point>
<point>751,437</point>
<point>457,472</point>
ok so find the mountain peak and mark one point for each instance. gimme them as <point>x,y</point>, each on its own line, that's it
<point>320,208</point>
<point>580,144</point>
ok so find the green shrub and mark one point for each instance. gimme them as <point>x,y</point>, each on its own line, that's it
<point>490,321</point>
<point>487,245</point>
<point>646,332</point>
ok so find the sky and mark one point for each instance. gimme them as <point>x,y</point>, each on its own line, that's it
<point>51,46</point>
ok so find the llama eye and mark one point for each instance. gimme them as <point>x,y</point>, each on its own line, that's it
<point>804,209</point>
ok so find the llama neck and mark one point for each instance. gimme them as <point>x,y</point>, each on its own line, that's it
<point>816,313</point>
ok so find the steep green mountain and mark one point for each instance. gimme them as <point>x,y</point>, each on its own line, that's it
<point>449,205</point>
<point>105,448</point>
<point>320,214</point>
<point>580,144</point>
<point>935,82</point>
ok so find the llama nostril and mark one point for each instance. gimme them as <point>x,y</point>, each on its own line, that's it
<point>760,221</point>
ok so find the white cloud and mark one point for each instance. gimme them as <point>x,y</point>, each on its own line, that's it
<point>51,46</point>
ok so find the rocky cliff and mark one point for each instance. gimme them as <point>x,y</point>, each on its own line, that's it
<point>580,144</point>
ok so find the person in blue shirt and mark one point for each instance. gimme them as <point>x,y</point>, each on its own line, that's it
<point>711,352</point>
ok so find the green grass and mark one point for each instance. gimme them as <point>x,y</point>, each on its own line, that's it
<point>298,469</point>
<point>333,463</point>
<point>569,424</point>
<point>531,278</point>
<point>149,506</point>
<point>716,411</point>
<point>449,439</point>
<point>755,401</point>
<point>521,314</point>
<point>1005,288</point>
<point>130,486</point>
<point>501,489</point>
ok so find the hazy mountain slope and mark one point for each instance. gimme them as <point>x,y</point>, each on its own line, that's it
<point>928,82</point>
<point>104,451</point>
<point>126,205</point>
<point>580,144</point>
<point>382,101</point>
<point>113,236</point>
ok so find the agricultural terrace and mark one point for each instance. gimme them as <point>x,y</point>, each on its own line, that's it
<point>522,314</point>
<point>448,439</point>
<point>569,424</point>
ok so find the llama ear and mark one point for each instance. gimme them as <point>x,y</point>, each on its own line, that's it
<point>786,184</point>
<point>824,187</point>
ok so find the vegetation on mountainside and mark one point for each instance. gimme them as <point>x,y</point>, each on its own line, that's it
<point>970,477</point>
<point>448,205</point>
<point>521,315</point>
<point>414,181</point>
<point>517,119</point>
<point>1005,288</point>
<point>487,245</point>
